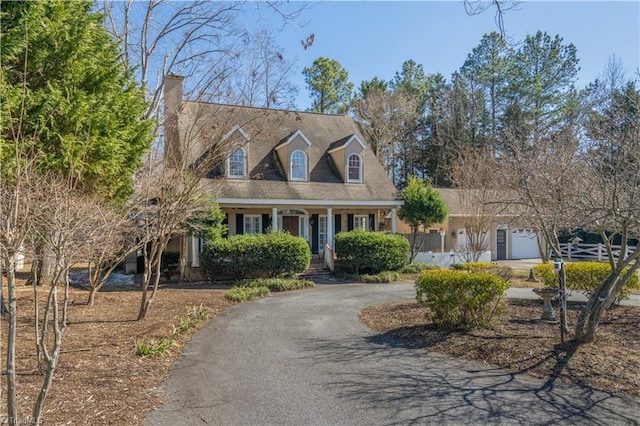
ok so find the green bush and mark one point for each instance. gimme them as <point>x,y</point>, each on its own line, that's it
<point>457,266</point>
<point>362,251</point>
<point>458,299</point>
<point>275,254</point>
<point>276,284</point>
<point>382,277</point>
<point>504,272</point>
<point>414,268</point>
<point>581,276</point>
<point>242,294</point>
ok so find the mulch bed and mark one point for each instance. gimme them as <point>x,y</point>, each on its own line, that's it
<point>520,343</point>
<point>100,380</point>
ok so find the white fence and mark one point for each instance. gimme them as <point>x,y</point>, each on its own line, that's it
<point>447,259</point>
<point>590,251</point>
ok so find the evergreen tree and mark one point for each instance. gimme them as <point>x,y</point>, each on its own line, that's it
<point>329,85</point>
<point>68,99</point>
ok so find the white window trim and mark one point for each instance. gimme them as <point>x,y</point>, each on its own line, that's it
<point>360,169</point>
<point>251,216</point>
<point>366,221</point>
<point>306,166</point>
<point>244,162</point>
<point>323,218</point>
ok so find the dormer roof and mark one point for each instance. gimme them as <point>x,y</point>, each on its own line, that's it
<point>287,140</point>
<point>345,142</point>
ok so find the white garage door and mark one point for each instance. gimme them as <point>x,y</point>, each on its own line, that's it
<point>524,244</point>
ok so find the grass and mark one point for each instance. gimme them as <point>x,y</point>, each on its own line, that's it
<point>153,347</point>
<point>182,324</point>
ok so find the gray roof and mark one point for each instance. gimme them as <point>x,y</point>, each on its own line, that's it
<point>267,129</point>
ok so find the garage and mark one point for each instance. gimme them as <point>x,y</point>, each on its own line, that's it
<point>524,244</point>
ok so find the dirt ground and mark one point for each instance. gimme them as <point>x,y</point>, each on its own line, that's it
<point>100,380</point>
<point>519,342</point>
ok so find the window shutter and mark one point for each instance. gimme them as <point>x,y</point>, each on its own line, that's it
<point>265,223</point>
<point>337,223</point>
<point>372,222</point>
<point>239,224</point>
<point>225,221</point>
<point>315,227</point>
<point>349,222</point>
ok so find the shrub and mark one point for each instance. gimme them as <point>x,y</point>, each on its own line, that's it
<point>414,268</point>
<point>362,251</point>
<point>276,284</point>
<point>504,272</point>
<point>239,256</point>
<point>382,277</point>
<point>283,254</point>
<point>457,266</point>
<point>242,294</point>
<point>459,299</point>
<point>581,276</point>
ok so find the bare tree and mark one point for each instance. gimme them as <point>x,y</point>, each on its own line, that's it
<point>119,238</point>
<point>64,223</point>
<point>18,190</point>
<point>479,196</point>
<point>383,116</point>
<point>611,173</point>
<point>263,73</point>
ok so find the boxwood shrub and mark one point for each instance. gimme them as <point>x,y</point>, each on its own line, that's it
<point>361,251</point>
<point>458,299</point>
<point>581,276</point>
<point>272,255</point>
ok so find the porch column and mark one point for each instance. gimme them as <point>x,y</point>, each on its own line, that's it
<point>329,228</point>
<point>442,234</point>
<point>393,221</point>
<point>195,252</point>
<point>274,219</point>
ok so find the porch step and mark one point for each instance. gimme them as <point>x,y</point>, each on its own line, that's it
<point>316,270</point>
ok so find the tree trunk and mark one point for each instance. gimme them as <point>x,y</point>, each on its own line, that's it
<point>92,295</point>
<point>43,266</point>
<point>12,412</point>
<point>589,319</point>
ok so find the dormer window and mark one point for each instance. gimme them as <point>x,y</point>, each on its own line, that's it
<point>237,164</point>
<point>298,165</point>
<point>354,168</point>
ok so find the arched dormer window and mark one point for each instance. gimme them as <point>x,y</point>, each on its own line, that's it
<point>237,164</point>
<point>298,165</point>
<point>354,168</point>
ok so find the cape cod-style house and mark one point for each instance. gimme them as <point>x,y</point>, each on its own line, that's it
<point>312,175</point>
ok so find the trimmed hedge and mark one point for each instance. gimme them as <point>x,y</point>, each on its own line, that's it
<point>581,276</point>
<point>458,299</point>
<point>362,251</point>
<point>275,254</point>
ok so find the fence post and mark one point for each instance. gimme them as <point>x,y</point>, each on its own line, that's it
<point>599,252</point>
<point>569,250</point>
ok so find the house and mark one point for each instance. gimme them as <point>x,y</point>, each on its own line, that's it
<point>312,175</point>
<point>505,237</point>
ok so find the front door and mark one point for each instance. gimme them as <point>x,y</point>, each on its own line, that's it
<point>501,244</point>
<point>291,225</point>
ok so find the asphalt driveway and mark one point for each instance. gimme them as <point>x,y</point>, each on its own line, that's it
<point>304,358</point>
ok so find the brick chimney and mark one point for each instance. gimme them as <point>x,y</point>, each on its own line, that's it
<point>172,108</point>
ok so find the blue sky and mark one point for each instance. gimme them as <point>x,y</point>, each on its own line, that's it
<point>374,38</point>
